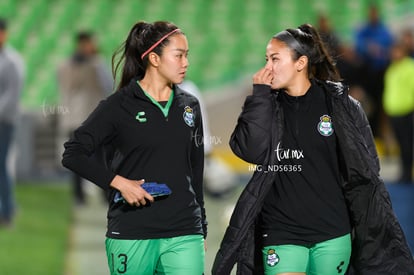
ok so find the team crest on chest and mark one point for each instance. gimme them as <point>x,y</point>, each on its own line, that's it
<point>272,258</point>
<point>188,116</point>
<point>325,127</point>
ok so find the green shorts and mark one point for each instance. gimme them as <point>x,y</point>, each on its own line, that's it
<point>324,258</point>
<point>182,255</point>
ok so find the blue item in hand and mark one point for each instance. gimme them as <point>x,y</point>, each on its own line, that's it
<point>153,188</point>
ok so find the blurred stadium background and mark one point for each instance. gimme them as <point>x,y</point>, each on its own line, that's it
<point>227,39</point>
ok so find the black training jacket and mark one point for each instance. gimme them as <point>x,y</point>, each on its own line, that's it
<point>379,245</point>
<point>129,135</point>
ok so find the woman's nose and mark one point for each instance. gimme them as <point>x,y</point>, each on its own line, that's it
<point>268,65</point>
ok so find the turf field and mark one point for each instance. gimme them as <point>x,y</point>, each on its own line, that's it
<point>38,241</point>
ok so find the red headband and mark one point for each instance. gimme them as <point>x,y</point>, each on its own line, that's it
<point>158,42</point>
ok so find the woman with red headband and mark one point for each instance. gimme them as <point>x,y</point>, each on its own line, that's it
<point>151,134</point>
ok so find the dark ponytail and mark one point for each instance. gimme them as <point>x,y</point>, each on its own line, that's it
<point>305,40</point>
<point>141,37</point>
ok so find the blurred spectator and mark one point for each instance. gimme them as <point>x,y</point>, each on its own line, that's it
<point>328,35</point>
<point>399,105</point>
<point>373,42</point>
<point>83,79</point>
<point>349,67</point>
<point>11,84</point>
<point>408,40</point>
<point>347,62</point>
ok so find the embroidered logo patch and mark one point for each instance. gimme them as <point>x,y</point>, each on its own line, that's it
<point>325,126</point>
<point>188,116</point>
<point>141,117</point>
<point>272,258</point>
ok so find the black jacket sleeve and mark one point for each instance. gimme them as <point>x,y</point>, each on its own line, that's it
<point>197,165</point>
<point>251,138</point>
<point>82,148</point>
<point>361,121</point>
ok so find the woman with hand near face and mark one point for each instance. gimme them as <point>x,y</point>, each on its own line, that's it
<point>316,204</point>
<point>150,131</point>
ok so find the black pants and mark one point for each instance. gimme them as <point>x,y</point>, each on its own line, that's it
<point>78,190</point>
<point>403,127</point>
<point>373,84</point>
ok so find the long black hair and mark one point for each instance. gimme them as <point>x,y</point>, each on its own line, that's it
<point>141,37</point>
<point>305,40</point>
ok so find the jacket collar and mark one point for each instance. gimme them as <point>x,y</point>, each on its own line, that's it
<point>336,89</point>
<point>134,89</point>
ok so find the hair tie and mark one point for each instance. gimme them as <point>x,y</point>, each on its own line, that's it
<point>158,42</point>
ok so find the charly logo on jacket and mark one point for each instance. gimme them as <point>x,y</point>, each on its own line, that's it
<point>141,117</point>
<point>188,116</point>
<point>272,258</point>
<point>325,126</point>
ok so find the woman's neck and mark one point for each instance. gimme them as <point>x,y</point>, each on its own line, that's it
<point>299,89</point>
<point>157,88</point>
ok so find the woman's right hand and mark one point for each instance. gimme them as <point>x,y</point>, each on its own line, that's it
<point>263,76</point>
<point>131,190</point>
